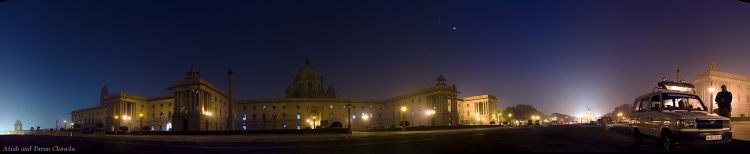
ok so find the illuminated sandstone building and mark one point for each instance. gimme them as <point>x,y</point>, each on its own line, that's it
<point>478,110</point>
<point>709,83</point>
<point>197,105</point>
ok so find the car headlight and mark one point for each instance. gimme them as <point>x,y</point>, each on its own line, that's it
<point>686,124</point>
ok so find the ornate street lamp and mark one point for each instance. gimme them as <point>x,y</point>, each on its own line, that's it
<point>711,105</point>
<point>403,118</point>
<point>349,119</point>
<point>141,116</point>
<point>314,119</point>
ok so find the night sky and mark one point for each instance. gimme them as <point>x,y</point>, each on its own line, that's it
<point>559,56</point>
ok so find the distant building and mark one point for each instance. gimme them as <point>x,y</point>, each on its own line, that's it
<point>197,105</point>
<point>478,110</point>
<point>18,126</point>
<point>709,83</point>
<point>587,117</point>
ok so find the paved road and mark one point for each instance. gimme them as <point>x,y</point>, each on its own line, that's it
<point>547,139</point>
<point>741,130</point>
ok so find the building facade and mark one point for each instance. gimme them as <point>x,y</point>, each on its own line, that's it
<point>709,83</point>
<point>197,105</point>
<point>478,110</point>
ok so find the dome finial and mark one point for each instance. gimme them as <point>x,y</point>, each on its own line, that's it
<point>712,66</point>
<point>192,73</point>
<point>307,60</point>
<point>440,80</point>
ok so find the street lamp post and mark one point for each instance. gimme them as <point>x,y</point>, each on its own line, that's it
<point>141,125</point>
<point>127,119</point>
<point>711,105</point>
<point>114,125</point>
<point>431,113</point>
<point>314,119</point>
<point>348,118</point>
<point>403,118</point>
<point>65,124</point>
<point>510,119</point>
<point>433,117</point>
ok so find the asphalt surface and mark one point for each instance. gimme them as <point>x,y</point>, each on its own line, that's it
<point>543,139</point>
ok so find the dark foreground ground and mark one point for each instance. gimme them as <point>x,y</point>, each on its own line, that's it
<point>546,139</point>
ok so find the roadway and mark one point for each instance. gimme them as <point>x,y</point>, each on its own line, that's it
<point>543,139</point>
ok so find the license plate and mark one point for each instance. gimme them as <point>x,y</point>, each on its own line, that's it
<point>713,137</point>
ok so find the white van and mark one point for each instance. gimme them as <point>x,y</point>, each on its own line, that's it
<point>673,113</point>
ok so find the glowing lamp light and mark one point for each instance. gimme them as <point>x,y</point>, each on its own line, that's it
<point>678,88</point>
<point>403,109</point>
<point>712,89</point>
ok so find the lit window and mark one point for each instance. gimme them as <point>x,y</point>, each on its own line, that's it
<point>298,116</point>
<point>298,127</point>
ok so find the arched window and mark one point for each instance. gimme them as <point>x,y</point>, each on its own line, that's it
<point>299,116</point>
<point>254,116</point>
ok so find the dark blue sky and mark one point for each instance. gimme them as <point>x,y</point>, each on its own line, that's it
<point>556,55</point>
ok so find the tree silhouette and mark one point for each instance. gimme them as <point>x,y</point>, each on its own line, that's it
<point>522,112</point>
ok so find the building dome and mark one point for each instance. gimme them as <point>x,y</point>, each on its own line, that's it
<point>308,83</point>
<point>307,71</point>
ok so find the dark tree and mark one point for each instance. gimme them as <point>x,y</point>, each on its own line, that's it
<point>522,112</point>
<point>562,117</point>
<point>336,125</point>
<point>625,109</point>
<point>404,123</point>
